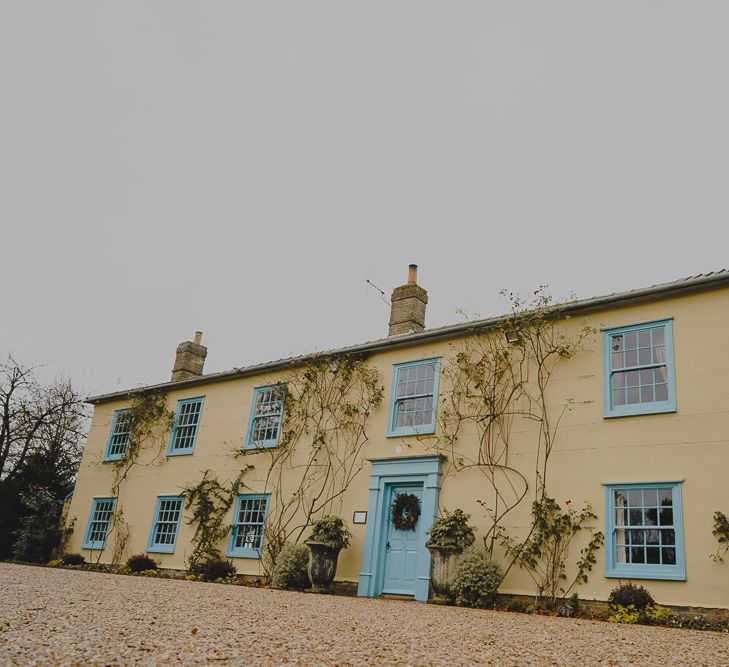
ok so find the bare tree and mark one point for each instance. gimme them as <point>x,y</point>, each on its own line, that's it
<point>37,418</point>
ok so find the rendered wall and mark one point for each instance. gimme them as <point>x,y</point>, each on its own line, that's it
<point>690,445</point>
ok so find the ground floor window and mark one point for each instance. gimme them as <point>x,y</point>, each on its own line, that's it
<point>166,522</point>
<point>249,519</point>
<point>99,522</point>
<point>644,531</point>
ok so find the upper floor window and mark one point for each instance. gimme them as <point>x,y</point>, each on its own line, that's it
<point>184,430</point>
<point>414,397</point>
<point>264,425</point>
<point>638,369</point>
<point>167,515</point>
<point>644,531</point>
<point>121,430</point>
<point>97,530</point>
<point>249,519</point>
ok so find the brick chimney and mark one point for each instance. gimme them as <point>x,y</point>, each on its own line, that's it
<point>190,359</point>
<point>407,313</point>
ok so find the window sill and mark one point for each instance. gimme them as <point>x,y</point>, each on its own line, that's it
<point>181,452</point>
<point>93,546</point>
<point>411,430</point>
<point>167,549</point>
<point>243,553</point>
<point>675,575</point>
<point>255,448</point>
<point>640,411</point>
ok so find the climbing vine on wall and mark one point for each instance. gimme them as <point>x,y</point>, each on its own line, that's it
<point>721,533</point>
<point>208,502</point>
<point>501,373</point>
<point>151,421</point>
<point>328,402</point>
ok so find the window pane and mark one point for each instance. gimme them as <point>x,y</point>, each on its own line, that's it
<point>653,555</point>
<point>635,497</point>
<point>669,556</point>
<point>637,555</point>
<point>619,397</point>
<point>666,517</point>
<point>661,392</point>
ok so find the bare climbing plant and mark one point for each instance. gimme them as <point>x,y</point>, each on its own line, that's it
<point>500,373</point>
<point>150,422</point>
<point>327,405</point>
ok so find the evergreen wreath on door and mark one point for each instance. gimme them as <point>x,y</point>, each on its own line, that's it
<point>405,511</point>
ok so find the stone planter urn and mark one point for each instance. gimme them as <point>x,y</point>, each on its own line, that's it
<point>443,562</point>
<point>322,566</point>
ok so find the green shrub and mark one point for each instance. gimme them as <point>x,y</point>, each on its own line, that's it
<point>519,606</point>
<point>623,614</point>
<point>332,531</point>
<point>217,568</point>
<point>657,615</point>
<point>627,595</point>
<point>451,531</point>
<point>476,579</point>
<point>141,563</point>
<point>290,571</point>
<point>73,559</point>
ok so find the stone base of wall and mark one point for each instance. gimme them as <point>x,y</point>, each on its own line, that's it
<point>601,606</point>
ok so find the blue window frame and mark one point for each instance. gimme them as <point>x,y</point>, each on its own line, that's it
<point>166,523</point>
<point>184,430</point>
<point>264,424</point>
<point>97,530</point>
<point>638,370</point>
<point>414,397</point>
<point>121,430</point>
<point>249,520</point>
<point>644,531</point>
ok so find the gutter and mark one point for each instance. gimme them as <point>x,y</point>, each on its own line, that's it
<point>701,283</point>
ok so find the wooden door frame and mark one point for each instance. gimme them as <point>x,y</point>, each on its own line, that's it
<point>385,473</point>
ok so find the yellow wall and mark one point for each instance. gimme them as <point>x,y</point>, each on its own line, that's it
<point>690,445</point>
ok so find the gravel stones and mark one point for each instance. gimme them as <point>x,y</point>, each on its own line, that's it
<point>65,617</point>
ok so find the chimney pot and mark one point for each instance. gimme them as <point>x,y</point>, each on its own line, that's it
<point>198,337</point>
<point>413,274</point>
<point>407,312</point>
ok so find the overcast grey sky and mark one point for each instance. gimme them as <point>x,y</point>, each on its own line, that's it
<point>242,167</point>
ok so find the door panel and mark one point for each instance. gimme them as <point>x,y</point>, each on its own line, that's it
<point>402,548</point>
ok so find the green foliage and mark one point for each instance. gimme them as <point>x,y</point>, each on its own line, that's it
<point>217,568</point>
<point>42,432</point>
<point>332,531</point>
<point>721,533</point>
<point>545,551</point>
<point>209,501</point>
<point>623,614</point>
<point>476,579</point>
<point>405,511</point>
<point>630,595</point>
<point>73,559</point>
<point>41,530</point>
<point>290,570</point>
<point>141,563</point>
<point>451,530</point>
<point>520,606</point>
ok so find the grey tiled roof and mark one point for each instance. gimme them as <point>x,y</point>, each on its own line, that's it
<point>697,283</point>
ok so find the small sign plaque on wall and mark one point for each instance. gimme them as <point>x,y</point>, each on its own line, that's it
<point>359,517</point>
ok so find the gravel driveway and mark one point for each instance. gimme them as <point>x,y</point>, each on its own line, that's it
<point>63,617</point>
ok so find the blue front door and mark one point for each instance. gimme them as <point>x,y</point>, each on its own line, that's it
<point>402,548</point>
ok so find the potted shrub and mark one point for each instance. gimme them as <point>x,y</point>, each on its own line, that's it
<point>328,537</point>
<point>448,537</point>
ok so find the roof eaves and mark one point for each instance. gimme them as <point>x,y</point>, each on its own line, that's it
<point>679,287</point>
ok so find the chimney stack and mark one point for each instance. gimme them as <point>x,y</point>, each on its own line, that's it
<point>407,313</point>
<point>190,359</point>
